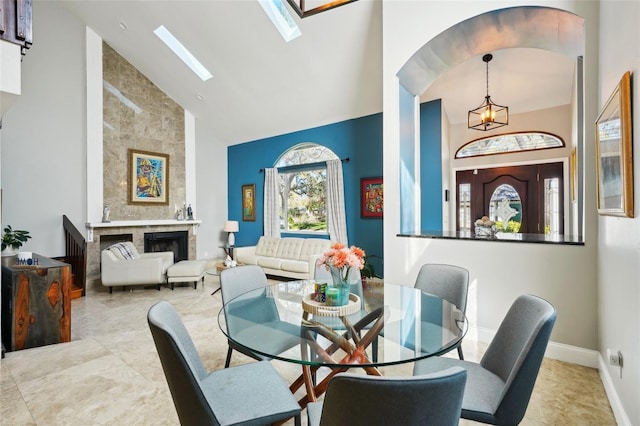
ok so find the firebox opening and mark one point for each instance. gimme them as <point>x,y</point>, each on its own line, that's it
<point>177,242</point>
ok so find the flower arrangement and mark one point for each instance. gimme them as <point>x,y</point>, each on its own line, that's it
<point>343,259</point>
<point>485,227</point>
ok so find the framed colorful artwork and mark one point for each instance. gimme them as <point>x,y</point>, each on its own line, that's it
<point>614,166</point>
<point>371,197</point>
<point>249,203</point>
<point>148,178</point>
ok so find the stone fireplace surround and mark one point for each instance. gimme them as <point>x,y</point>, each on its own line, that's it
<point>136,229</point>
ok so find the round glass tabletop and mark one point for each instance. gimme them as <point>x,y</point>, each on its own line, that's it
<point>403,323</point>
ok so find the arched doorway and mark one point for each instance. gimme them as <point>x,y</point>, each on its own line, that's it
<point>536,27</point>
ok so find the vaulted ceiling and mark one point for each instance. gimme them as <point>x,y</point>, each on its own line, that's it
<point>263,86</point>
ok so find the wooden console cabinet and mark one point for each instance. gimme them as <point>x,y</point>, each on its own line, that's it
<point>36,303</point>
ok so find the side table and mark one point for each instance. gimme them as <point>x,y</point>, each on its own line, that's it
<point>220,266</point>
<point>36,303</point>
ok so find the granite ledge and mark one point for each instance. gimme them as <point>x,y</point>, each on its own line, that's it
<point>500,237</point>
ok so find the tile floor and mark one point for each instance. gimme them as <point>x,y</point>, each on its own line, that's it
<point>110,374</point>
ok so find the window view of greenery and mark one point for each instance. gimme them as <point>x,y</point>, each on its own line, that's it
<point>306,200</point>
<point>303,183</point>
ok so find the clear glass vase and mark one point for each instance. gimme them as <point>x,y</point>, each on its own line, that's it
<point>337,293</point>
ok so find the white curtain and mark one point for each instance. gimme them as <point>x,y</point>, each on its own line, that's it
<point>271,203</point>
<point>336,217</point>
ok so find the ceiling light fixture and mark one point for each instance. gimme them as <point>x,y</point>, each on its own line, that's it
<point>178,48</point>
<point>488,115</point>
<point>300,8</point>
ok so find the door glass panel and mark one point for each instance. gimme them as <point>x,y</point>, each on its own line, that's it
<point>505,208</point>
<point>464,203</point>
<point>552,206</point>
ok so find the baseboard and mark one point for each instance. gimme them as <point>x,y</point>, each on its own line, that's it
<point>559,351</point>
<point>579,356</point>
<point>616,405</point>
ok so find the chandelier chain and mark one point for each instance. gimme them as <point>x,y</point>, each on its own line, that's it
<point>487,78</point>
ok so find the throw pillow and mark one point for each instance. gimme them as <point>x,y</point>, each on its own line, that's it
<point>124,251</point>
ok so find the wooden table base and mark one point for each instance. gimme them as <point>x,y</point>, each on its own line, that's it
<point>355,352</point>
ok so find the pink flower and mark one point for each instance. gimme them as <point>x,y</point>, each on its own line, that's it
<point>341,257</point>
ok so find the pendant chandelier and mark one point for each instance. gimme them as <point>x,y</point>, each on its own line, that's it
<point>488,115</point>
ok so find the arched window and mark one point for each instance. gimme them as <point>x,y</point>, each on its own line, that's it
<point>507,143</point>
<point>303,181</point>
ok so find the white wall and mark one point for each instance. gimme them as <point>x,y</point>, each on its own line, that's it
<point>10,77</point>
<point>211,192</point>
<point>619,238</point>
<point>565,275</point>
<point>43,134</point>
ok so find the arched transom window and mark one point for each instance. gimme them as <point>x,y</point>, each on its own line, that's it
<point>512,142</point>
<point>303,181</point>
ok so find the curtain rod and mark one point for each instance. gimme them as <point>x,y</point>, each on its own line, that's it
<point>295,166</point>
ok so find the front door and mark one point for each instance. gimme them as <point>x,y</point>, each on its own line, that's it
<point>523,199</point>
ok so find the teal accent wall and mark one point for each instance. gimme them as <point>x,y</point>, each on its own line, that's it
<point>359,139</point>
<point>431,196</point>
<point>407,161</point>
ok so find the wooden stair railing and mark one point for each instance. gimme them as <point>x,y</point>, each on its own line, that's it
<point>76,256</point>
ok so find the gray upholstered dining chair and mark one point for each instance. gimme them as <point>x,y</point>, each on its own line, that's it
<point>500,386</point>
<point>356,399</point>
<point>256,309</point>
<point>449,282</point>
<point>248,394</point>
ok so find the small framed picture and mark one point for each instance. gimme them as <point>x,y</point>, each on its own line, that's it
<point>614,167</point>
<point>249,203</point>
<point>371,197</point>
<point>148,177</point>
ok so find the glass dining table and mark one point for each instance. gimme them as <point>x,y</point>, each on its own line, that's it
<point>383,325</point>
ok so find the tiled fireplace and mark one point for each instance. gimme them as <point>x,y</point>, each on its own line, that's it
<point>175,241</point>
<point>151,235</point>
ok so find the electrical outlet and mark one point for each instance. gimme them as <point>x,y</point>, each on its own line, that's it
<point>615,358</point>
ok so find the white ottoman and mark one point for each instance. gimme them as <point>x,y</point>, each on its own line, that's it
<point>187,271</point>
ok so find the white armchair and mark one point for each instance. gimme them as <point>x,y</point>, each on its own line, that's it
<point>123,265</point>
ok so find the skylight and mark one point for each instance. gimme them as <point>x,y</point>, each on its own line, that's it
<point>281,19</point>
<point>182,52</point>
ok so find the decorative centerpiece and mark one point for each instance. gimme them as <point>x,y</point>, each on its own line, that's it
<point>339,260</point>
<point>485,227</point>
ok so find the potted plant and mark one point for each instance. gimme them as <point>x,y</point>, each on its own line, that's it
<point>368,270</point>
<point>12,240</point>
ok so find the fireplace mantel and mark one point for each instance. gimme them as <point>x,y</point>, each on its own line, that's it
<point>91,226</point>
<point>127,223</point>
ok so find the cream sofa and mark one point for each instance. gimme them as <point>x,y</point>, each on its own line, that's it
<point>285,257</point>
<point>123,265</point>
